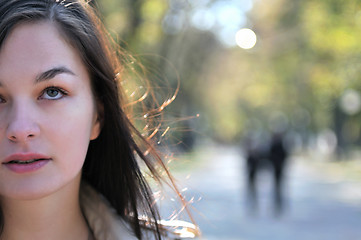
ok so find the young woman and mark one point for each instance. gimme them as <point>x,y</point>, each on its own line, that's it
<point>68,152</point>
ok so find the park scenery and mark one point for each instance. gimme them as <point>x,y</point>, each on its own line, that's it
<point>255,107</point>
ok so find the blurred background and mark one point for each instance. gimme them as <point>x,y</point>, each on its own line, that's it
<point>266,124</point>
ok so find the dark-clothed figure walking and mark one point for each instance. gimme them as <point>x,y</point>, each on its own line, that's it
<point>277,156</point>
<point>256,152</point>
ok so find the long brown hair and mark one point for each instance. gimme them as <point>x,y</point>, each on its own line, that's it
<point>110,166</point>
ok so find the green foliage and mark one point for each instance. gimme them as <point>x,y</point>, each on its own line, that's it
<point>307,55</point>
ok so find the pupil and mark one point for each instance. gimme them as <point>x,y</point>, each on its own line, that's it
<point>52,92</point>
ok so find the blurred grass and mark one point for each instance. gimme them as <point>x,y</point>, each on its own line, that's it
<point>346,168</point>
<point>183,163</point>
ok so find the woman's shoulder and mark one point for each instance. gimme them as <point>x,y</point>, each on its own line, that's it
<point>102,219</point>
<point>107,225</point>
<point>174,229</point>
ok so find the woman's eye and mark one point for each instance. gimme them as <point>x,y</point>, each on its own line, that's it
<point>52,93</point>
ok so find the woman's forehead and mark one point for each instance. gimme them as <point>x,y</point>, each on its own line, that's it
<point>37,44</point>
<point>43,34</point>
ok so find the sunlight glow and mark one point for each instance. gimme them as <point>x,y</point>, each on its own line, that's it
<point>246,38</point>
<point>351,102</point>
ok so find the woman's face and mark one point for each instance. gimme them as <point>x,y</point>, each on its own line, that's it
<point>47,113</point>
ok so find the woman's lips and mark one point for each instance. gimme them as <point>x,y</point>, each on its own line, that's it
<point>26,162</point>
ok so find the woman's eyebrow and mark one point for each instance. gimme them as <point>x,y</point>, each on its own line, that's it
<point>51,73</point>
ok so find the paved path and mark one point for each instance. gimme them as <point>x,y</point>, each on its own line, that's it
<point>318,208</point>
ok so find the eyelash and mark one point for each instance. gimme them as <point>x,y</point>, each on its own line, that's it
<point>60,90</point>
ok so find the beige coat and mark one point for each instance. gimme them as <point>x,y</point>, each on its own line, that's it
<point>107,225</point>
<point>102,219</point>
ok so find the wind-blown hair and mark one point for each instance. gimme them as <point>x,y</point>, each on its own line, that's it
<point>110,166</point>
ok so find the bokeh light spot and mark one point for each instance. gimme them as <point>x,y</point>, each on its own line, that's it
<point>246,38</point>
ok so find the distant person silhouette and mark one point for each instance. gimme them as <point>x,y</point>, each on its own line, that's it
<point>256,151</point>
<point>270,154</point>
<point>252,167</point>
<point>278,155</point>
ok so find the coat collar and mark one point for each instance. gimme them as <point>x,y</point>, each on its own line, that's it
<point>105,224</point>
<point>102,218</point>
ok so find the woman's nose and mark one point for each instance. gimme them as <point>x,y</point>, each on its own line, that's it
<point>22,126</point>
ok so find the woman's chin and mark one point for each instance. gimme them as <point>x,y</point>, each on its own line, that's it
<point>34,190</point>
